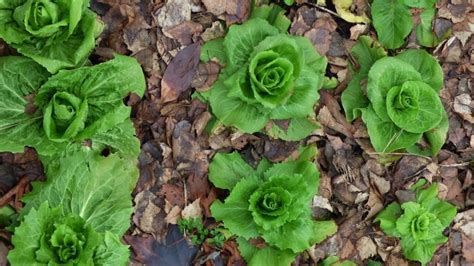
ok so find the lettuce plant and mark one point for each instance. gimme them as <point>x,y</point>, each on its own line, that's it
<point>268,76</point>
<point>271,202</point>
<point>78,215</point>
<point>419,224</point>
<point>393,21</point>
<point>57,34</point>
<point>398,98</point>
<point>51,113</point>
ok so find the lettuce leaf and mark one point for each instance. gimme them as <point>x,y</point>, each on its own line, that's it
<point>71,106</point>
<point>268,75</point>
<point>56,34</point>
<point>397,98</point>
<point>418,224</point>
<point>78,214</point>
<point>271,202</point>
<point>392,21</point>
<point>48,237</point>
<point>94,187</point>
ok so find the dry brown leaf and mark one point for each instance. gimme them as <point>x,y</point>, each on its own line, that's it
<point>174,215</point>
<point>366,248</point>
<point>193,210</point>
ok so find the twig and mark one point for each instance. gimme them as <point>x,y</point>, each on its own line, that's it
<point>16,190</point>
<point>399,153</point>
<point>324,9</point>
<point>455,165</point>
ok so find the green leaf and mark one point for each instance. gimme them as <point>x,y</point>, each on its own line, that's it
<point>419,3</point>
<point>234,212</point>
<point>335,261</point>
<point>49,237</point>
<point>96,188</point>
<point>410,212</point>
<point>112,251</point>
<point>443,210</point>
<point>322,230</point>
<point>353,98</point>
<point>272,204</point>
<point>385,74</point>
<point>241,40</point>
<point>298,128</point>
<point>385,136</point>
<point>214,49</point>
<point>419,250</point>
<point>299,234</point>
<point>269,75</point>
<point>302,101</point>
<point>414,107</point>
<point>366,52</point>
<point>20,77</point>
<point>424,196</point>
<point>428,67</point>
<point>232,111</point>
<point>306,169</point>
<point>65,43</point>
<point>226,170</point>
<point>392,21</point>
<point>264,256</point>
<point>424,32</point>
<point>437,136</point>
<point>274,14</point>
<point>101,87</point>
<point>388,218</point>
<point>120,139</point>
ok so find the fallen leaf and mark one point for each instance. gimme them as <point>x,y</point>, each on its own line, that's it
<point>345,9</point>
<point>193,210</point>
<point>145,215</point>
<point>321,34</point>
<point>185,32</point>
<point>366,248</point>
<point>173,13</point>
<point>174,251</point>
<point>180,73</point>
<point>323,203</point>
<point>174,215</point>
<point>358,30</point>
<point>463,105</point>
<point>468,248</point>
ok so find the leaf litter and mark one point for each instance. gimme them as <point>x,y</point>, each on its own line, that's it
<point>165,37</point>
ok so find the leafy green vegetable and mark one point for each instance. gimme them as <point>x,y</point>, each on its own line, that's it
<point>269,75</point>
<point>397,98</point>
<point>77,216</point>
<point>418,224</point>
<point>57,34</point>
<point>393,22</point>
<point>199,234</point>
<point>366,51</point>
<point>271,202</point>
<point>71,106</point>
<point>94,187</point>
<point>336,261</point>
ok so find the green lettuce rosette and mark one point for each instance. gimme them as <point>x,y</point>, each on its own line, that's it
<point>57,34</point>
<point>54,113</point>
<point>269,76</point>
<point>398,99</point>
<point>270,203</point>
<point>419,224</point>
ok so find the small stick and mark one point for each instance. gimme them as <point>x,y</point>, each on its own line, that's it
<point>5,199</point>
